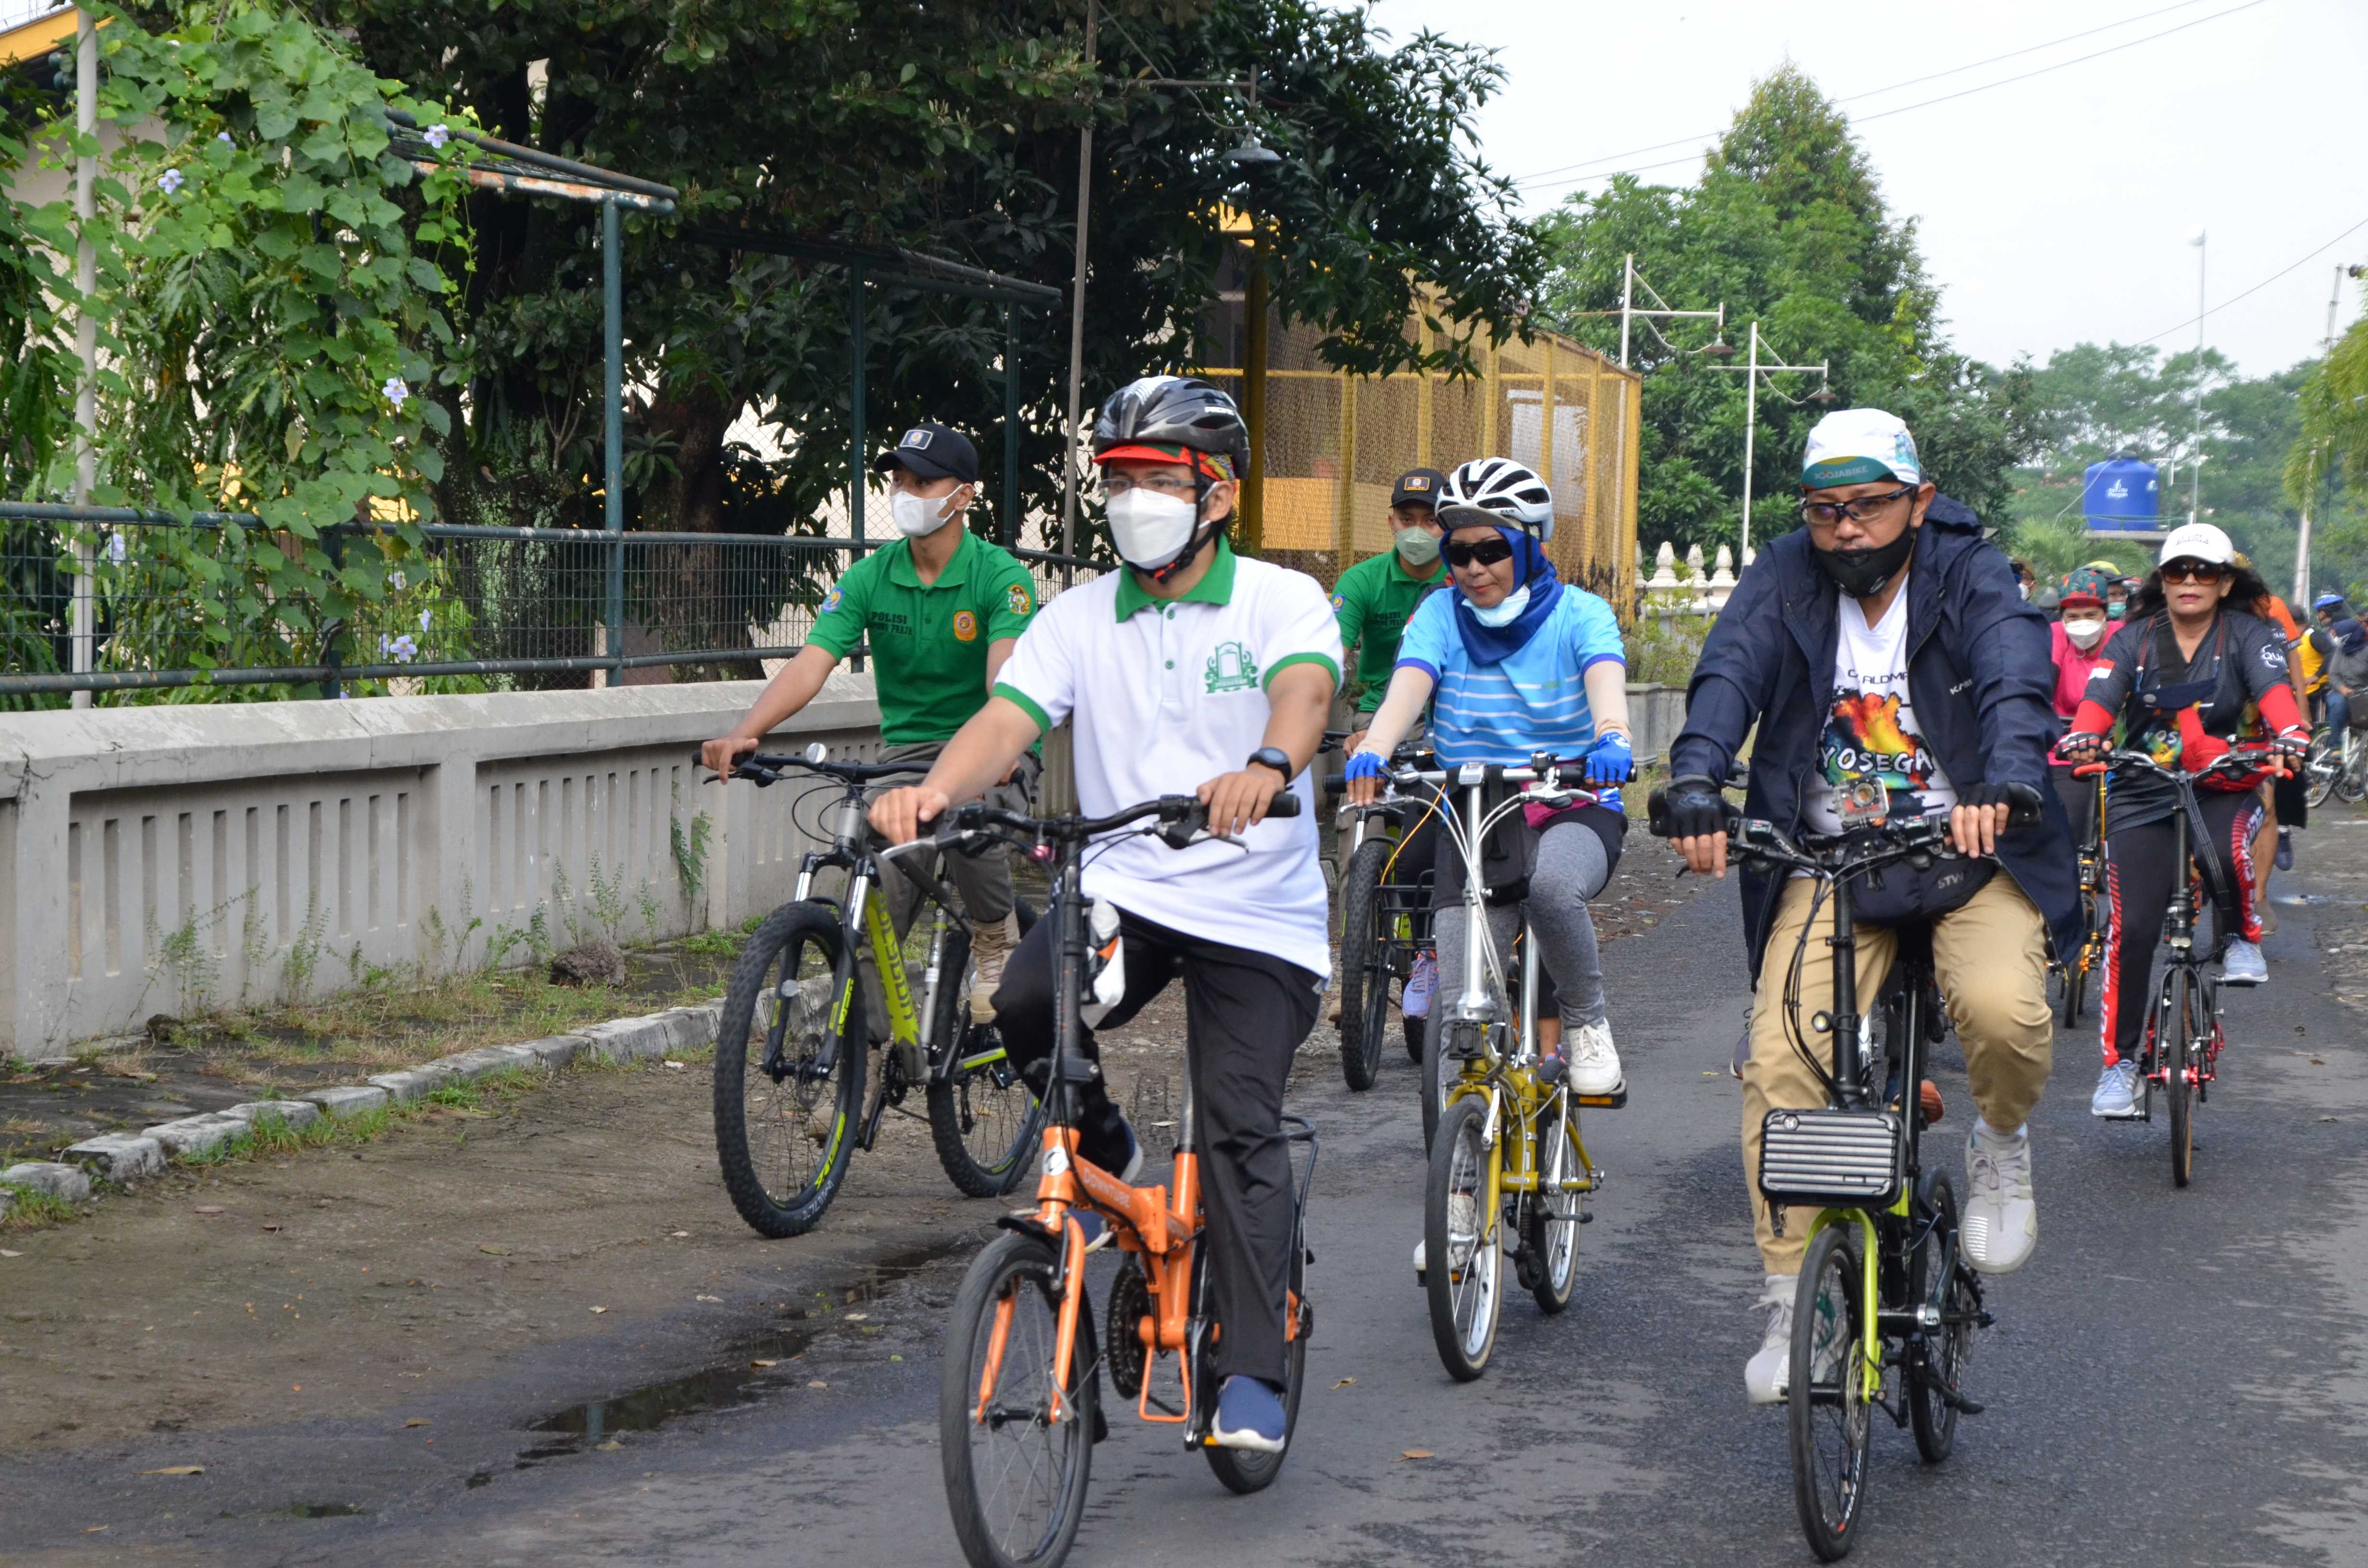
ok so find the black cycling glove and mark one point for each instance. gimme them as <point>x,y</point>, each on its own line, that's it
<point>1688,806</point>
<point>2021,800</point>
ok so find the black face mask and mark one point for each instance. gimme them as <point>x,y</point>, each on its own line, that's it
<point>1861,573</point>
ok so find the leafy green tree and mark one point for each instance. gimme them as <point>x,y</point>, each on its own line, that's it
<point>1787,225</point>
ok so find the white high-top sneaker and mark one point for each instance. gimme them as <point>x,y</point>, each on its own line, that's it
<point>1767,1374</point>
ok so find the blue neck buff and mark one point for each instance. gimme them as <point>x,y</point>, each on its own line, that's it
<point>1491,644</point>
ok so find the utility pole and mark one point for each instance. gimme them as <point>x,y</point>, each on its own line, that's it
<point>1751,368</point>
<point>1628,312</point>
<point>1077,310</point>
<point>85,623</point>
<point>2195,480</point>
<point>2301,600</point>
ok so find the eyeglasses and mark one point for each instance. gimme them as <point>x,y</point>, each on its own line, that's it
<point>1485,552</point>
<point>1165,483</point>
<point>2193,572</point>
<point>1864,509</point>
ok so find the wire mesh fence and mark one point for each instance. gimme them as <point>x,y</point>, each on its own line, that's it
<point>476,609</point>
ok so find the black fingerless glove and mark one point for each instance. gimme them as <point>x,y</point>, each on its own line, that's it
<point>2021,800</point>
<point>1687,807</point>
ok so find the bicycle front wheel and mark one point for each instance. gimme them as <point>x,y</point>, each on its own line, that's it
<point>1016,1467</point>
<point>2183,1049</point>
<point>1364,965</point>
<point>1829,1416</point>
<point>2319,770</point>
<point>789,1051</point>
<point>1463,1255</point>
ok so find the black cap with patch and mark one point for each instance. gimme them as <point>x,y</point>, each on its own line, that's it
<point>931,451</point>
<point>1419,487</point>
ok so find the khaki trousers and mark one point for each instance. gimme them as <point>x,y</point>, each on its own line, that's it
<point>1991,959</point>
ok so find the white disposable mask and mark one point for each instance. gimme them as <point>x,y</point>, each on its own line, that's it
<point>918,516</point>
<point>1418,546</point>
<point>1505,611</point>
<point>2085,632</point>
<point>1150,528</point>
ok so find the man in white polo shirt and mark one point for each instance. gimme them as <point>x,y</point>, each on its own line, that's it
<point>1191,668</point>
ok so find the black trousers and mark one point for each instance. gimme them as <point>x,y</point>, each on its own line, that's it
<point>2138,875</point>
<point>1244,1014</point>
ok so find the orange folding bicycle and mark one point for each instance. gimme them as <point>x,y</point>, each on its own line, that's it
<point>1019,1399</point>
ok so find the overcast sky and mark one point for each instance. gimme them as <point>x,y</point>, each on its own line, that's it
<point>2052,209</point>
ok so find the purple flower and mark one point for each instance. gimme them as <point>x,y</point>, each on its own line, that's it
<point>396,578</point>
<point>116,549</point>
<point>170,181</point>
<point>425,618</point>
<point>401,650</point>
<point>223,136</point>
<point>438,135</point>
<point>395,392</point>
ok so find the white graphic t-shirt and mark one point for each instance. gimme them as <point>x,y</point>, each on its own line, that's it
<point>1871,732</point>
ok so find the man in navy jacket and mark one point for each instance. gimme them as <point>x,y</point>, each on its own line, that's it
<point>1885,640</point>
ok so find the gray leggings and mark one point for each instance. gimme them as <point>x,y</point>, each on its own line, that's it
<point>1571,869</point>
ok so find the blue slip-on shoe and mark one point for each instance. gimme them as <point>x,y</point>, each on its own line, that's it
<point>1249,1416</point>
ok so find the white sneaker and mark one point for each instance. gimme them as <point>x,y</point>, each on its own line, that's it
<point>2116,1098</point>
<point>2241,963</point>
<point>1767,1372</point>
<point>1594,1064</point>
<point>1420,982</point>
<point>1462,1230</point>
<point>990,949</point>
<point>2001,1225</point>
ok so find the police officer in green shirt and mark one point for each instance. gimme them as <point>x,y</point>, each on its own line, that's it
<point>941,608</point>
<point>1374,597</point>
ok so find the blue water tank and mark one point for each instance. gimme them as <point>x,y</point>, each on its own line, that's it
<point>2121,496</point>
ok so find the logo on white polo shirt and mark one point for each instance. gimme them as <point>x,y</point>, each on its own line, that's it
<point>1232,668</point>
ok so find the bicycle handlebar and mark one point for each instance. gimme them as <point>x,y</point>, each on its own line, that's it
<point>1180,817</point>
<point>2233,764</point>
<point>765,769</point>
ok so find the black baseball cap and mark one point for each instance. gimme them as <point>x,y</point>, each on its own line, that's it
<point>931,451</point>
<point>1418,485</point>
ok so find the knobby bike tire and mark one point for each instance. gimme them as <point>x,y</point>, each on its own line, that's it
<point>983,1121</point>
<point>1364,965</point>
<point>1937,1278</point>
<point>2178,986</point>
<point>1553,1225</point>
<point>1465,1302</point>
<point>1243,1470</point>
<point>786,1111</point>
<point>1830,1426</point>
<point>1022,1268</point>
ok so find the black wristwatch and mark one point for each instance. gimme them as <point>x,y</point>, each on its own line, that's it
<point>1274,757</point>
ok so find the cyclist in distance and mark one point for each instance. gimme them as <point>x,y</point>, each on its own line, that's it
<point>1521,662</point>
<point>941,608</point>
<point>2077,643</point>
<point>1374,599</point>
<point>2189,675</point>
<point>1190,668</point>
<point>1885,641</point>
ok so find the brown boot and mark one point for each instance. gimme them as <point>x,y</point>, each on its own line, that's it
<point>990,949</point>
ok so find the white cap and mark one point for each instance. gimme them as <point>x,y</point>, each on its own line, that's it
<point>1858,445</point>
<point>2197,541</point>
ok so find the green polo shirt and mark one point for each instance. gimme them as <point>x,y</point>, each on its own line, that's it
<point>1373,600</point>
<point>928,641</point>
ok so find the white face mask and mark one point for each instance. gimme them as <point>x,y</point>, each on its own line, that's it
<point>1418,546</point>
<point>918,517</point>
<point>2085,632</point>
<point>1505,611</point>
<point>1150,528</point>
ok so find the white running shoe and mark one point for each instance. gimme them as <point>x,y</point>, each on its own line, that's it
<point>1767,1372</point>
<point>1420,983</point>
<point>1463,1229</point>
<point>2001,1225</point>
<point>1594,1064</point>
<point>2241,965</point>
<point>2116,1098</point>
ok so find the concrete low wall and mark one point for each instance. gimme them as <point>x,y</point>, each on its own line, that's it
<point>1655,713</point>
<point>166,859</point>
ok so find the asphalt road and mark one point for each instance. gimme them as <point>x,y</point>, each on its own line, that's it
<point>2178,1378</point>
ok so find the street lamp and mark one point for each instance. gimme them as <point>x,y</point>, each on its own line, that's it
<point>1752,368</point>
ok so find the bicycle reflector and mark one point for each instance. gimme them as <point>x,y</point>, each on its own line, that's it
<point>1831,1159</point>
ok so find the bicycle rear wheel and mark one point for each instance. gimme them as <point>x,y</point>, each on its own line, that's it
<point>1016,1475</point>
<point>790,1052</point>
<point>1464,1253</point>
<point>1553,1227</point>
<point>1828,1414</point>
<point>1245,1469</point>
<point>983,1121</point>
<point>1441,1066</point>
<point>1364,965</point>
<point>1937,1278</point>
<point>2181,1047</point>
<point>2320,767</point>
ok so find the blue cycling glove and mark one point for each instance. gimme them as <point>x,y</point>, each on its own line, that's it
<point>1614,760</point>
<point>1366,763</point>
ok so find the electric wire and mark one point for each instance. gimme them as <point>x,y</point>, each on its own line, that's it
<point>2264,283</point>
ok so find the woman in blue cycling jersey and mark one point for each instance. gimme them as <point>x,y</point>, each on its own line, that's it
<point>1522,663</point>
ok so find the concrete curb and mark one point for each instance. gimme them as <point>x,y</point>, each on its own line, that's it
<point>125,1158</point>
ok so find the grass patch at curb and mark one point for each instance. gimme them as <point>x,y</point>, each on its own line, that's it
<point>31,1211</point>
<point>276,1135</point>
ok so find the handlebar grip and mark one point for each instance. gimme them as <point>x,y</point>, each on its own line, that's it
<point>2091,769</point>
<point>1285,804</point>
<point>2023,805</point>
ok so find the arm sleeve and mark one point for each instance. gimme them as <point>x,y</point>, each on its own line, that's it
<point>1040,676</point>
<point>1733,680</point>
<point>1424,646</point>
<point>846,610</point>
<point>1300,627</point>
<point>1011,601</point>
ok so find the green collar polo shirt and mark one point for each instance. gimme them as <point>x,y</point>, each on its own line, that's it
<point>929,641</point>
<point>1373,600</point>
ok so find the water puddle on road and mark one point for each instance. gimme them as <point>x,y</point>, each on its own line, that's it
<point>841,1319</point>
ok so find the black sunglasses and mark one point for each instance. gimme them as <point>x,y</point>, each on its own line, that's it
<point>2193,572</point>
<point>1485,552</point>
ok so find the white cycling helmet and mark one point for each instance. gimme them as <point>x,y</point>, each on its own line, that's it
<point>1504,489</point>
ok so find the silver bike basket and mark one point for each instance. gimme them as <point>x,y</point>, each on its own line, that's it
<point>1826,1159</point>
